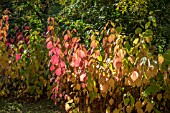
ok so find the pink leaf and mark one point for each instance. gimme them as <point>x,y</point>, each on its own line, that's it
<point>83,85</point>
<point>54,59</point>
<point>58,72</point>
<point>82,77</point>
<point>60,95</point>
<point>77,62</point>
<point>50,52</point>
<point>48,39</point>
<point>18,56</point>
<point>52,68</point>
<point>49,45</point>
<point>58,51</point>
<point>81,54</point>
<point>62,64</point>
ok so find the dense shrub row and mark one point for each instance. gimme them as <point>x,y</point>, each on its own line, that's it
<point>116,73</point>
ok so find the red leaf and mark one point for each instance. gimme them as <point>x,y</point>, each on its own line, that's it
<point>18,56</point>
<point>7,44</point>
<point>49,45</point>
<point>54,59</point>
<point>58,72</point>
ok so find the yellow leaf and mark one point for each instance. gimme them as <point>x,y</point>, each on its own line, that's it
<point>129,109</point>
<point>160,59</point>
<point>78,86</point>
<point>116,111</point>
<point>149,107</point>
<point>140,111</point>
<point>88,110</point>
<point>138,105</point>
<point>159,96</point>
<point>67,107</point>
<point>111,83</point>
<point>93,37</point>
<point>73,79</point>
<point>136,41</point>
<point>111,101</point>
<point>104,88</point>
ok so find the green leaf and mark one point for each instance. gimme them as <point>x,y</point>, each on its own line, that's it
<point>147,25</point>
<point>147,92</point>
<point>153,89</point>
<point>138,30</point>
<point>132,100</point>
<point>167,55</point>
<point>116,111</point>
<point>126,101</point>
<point>157,111</point>
<point>119,29</point>
<point>149,32</point>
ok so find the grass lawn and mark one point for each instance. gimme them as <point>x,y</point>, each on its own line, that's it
<point>12,105</point>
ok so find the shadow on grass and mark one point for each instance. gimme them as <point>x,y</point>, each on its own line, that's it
<point>11,105</point>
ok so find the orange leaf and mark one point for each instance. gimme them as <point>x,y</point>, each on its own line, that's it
<point>111,38</point>
<point>66,37</point>
<point>117,63</point>
<point>94,44</point>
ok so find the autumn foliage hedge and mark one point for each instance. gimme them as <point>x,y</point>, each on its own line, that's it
<point>117,73</point>
<point>23,62</point>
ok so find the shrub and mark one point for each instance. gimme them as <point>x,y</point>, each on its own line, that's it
<point>24,62</point>
<point>121,74</point>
